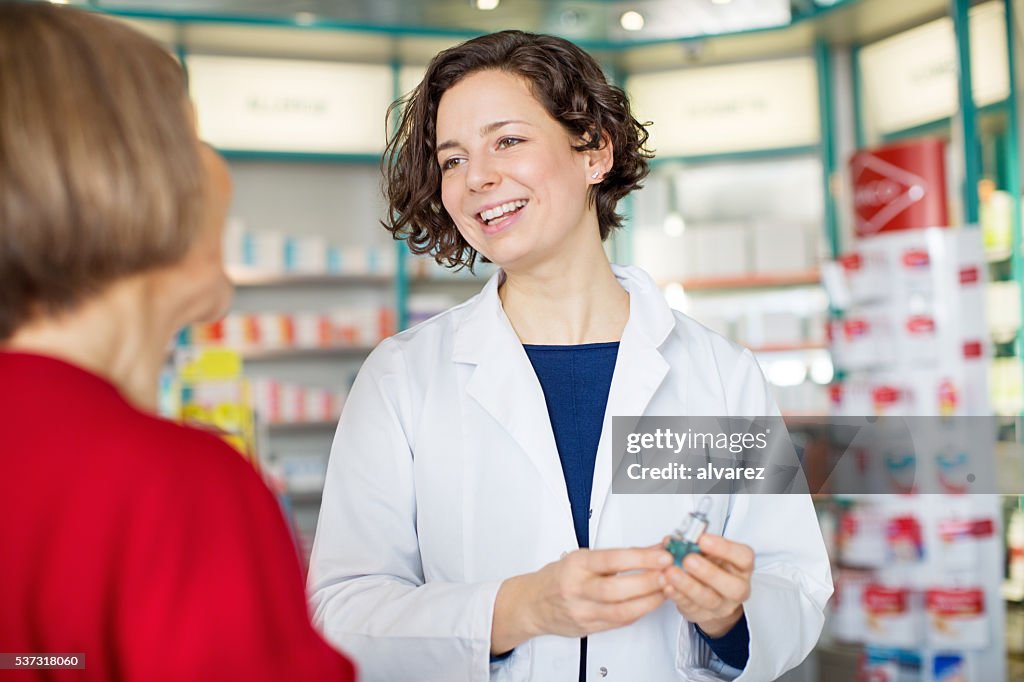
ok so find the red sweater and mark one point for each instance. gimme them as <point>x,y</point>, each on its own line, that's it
<point>152,548</point>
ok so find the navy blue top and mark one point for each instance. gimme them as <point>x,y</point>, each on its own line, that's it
<point>576,381</point>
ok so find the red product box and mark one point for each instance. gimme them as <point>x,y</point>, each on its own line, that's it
<point>893,619</point>
<point>900,186</point>
<point>956,618</point>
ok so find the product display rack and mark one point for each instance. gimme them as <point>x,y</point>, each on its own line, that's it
<point>246,279</point>
<point>329,352</point>
<point>994,127</point>
<point>765,281</point>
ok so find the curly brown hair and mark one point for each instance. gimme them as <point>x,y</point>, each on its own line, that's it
<point>570,85</point>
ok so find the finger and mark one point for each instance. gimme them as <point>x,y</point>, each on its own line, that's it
<point>739,555</point>
<point>620,588</point>
<point>729,585</point>
<point>624,613</point>
<point>683,603</point>
<point>701,595</point>
<point>611,561</point>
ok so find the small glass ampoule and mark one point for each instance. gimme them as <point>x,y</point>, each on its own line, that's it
<point>684,539</point>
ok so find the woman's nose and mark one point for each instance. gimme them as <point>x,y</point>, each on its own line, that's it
<point>482,175</point>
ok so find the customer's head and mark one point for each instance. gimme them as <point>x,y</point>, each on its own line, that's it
<point>102,175</point>
<point>566,87</point>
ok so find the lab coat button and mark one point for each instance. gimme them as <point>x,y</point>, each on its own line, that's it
<point>603,670</point>
<point>590,513</point>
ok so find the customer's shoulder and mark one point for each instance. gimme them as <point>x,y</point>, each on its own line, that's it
<point>168,449</point>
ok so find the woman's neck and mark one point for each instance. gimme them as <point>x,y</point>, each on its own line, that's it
<point>568,302</point>
<point>116,335</point>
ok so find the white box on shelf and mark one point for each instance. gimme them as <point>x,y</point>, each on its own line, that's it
<point>780,247</point>
<point>867,274</point>
<point>781,328</point>
<point>895,616</point>
<point>1002,304</point>
<point>717,250</point>
<point>867,339</point>
<point>306,255</point>
<point>234,241</point>
<point>665,257</point>
<point>265,251</point>
<point>355,260</point>
<point>303,473</point>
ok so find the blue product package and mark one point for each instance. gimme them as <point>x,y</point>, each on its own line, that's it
<point>949,668</point>
<point>291,248</point>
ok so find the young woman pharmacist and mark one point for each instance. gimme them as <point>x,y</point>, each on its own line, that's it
<point>467,532</point>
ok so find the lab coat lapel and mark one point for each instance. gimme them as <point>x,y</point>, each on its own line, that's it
<point>640,369</point>
<point>505,384</point>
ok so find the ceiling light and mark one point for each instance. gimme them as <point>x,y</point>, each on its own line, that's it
<point>676,297</point>
<point>822,371</point>
<point>58,2</point>
<point>631,21</point>
<point>674,225</point>
<point>720,2</point>
<point>486,5</point>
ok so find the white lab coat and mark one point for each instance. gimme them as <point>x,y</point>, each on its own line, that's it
<point>444,480</point>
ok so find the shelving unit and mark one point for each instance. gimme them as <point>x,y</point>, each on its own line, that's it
<point>789,348</point>
<point>248,279</point>
<point>332,352</point>
<point>763,281</point>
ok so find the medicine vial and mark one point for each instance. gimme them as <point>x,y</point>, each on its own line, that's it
<point>684,539</point>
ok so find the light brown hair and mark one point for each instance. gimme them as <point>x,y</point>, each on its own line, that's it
<point>100,175</point>
<point>570,85</point>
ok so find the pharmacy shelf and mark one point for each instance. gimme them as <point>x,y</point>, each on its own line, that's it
<point>257,354</point>
<point>288,428</point>
<point>246,278</point>
<point>789,347</point>
<point>766,281</point>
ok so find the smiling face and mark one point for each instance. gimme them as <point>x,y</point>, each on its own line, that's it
<point>510,179</point>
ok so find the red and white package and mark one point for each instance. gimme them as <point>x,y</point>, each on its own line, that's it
<point>905,539</point>
<point>956,618</point>
<point>959,541</point>
<point>861,537</point>
<point>893,616</point>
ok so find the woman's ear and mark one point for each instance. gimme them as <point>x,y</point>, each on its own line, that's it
<point>599,161</point>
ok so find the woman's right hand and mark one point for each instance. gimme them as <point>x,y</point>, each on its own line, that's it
<point>584,592</point>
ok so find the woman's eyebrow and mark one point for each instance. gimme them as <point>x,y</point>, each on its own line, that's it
<point>486,130</point>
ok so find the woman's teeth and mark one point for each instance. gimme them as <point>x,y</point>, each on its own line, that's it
<point>493,215</point>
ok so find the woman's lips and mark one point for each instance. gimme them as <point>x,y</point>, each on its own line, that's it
<point>502,224</point>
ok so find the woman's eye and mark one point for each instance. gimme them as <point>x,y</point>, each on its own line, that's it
<point>448,164</point>
<point>507,142</point>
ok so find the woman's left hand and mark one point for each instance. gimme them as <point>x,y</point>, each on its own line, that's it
<point>711,590</point>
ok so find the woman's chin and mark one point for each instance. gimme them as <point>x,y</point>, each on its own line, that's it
<point>216,302</point>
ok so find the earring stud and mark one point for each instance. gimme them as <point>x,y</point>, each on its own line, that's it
<point>596,173</point>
